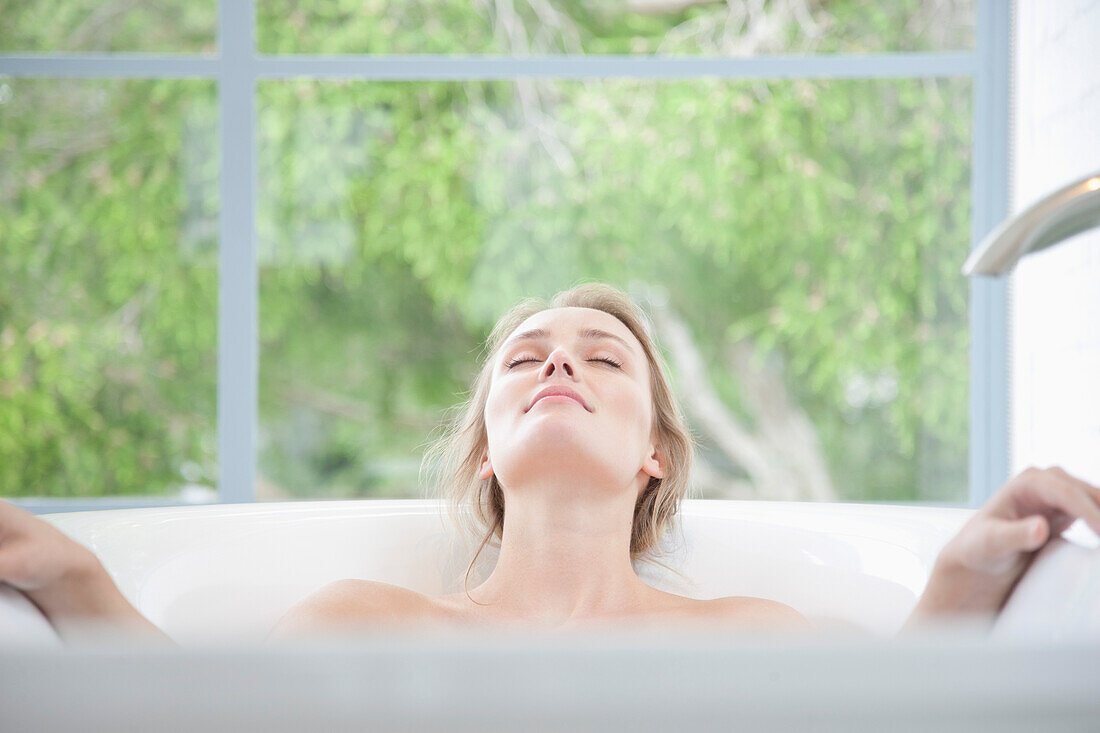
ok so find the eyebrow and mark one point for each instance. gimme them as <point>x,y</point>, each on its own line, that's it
<point>588,334</point>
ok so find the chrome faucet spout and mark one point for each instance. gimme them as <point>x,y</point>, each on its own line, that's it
<point>1058,216</point>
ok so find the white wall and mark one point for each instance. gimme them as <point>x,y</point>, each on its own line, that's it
<point>1055,294</point>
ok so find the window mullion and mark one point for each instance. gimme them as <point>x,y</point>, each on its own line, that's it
<point>988,297</point>
<point>238,323</point>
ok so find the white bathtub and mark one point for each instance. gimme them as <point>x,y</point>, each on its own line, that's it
<point>216,578</point>
<point>227,572</point>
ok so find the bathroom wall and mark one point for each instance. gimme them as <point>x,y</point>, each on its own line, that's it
<point>1055,295</point>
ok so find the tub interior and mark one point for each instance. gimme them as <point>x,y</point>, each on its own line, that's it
<point>230,571</point>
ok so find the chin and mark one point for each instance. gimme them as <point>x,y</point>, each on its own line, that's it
<point>556,434</point>
<point>553,447</point>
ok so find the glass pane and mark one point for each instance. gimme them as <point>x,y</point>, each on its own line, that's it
<point>808,235</point>
<point>667,27</point>
<point>56,26</point>
<point>108,301</point>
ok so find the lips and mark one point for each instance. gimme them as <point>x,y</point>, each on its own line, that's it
<point>562,391</point>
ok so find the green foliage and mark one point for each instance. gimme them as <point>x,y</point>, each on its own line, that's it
<point>824,220</point>
<point>522,27</point>
<point>107,335</point>
<point>164,26</point>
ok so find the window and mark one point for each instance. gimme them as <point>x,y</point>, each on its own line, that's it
<point>287,314</point>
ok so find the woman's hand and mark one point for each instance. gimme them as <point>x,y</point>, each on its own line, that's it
<point>978,568</point>
<point>62,577</point>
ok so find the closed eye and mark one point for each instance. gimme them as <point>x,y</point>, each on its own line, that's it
<point>515,362</point>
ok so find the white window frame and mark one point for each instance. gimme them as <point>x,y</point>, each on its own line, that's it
<point>237,68</point>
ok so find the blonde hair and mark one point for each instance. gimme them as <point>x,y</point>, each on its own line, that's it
<point>453,460</point>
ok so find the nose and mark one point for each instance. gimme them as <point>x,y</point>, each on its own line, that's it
<point>559,362</point>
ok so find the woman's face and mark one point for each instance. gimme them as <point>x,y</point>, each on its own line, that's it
<point>599,433</point>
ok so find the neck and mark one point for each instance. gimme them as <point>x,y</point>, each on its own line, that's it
<point>564,556</point>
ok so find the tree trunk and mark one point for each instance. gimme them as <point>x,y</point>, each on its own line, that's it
<point>781,453</point>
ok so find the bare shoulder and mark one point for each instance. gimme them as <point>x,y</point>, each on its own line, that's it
<point>351,604</point>
<point>755,612</point>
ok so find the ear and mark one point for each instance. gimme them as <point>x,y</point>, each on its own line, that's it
<point>654,465</point>
<point>486,466</point>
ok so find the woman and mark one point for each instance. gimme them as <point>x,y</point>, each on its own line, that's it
<point>572,426</point>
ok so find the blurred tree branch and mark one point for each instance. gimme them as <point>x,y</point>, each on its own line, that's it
<point>105,13</point>
<point>782,456</point>
<point>336,404</point>
<point>90,140</point>
<point>664,7</point>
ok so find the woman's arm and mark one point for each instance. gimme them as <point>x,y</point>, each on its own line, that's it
<point>953,594</point>
<point>977,570</point>
<point>91,602</point>
<point>65,580</point>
